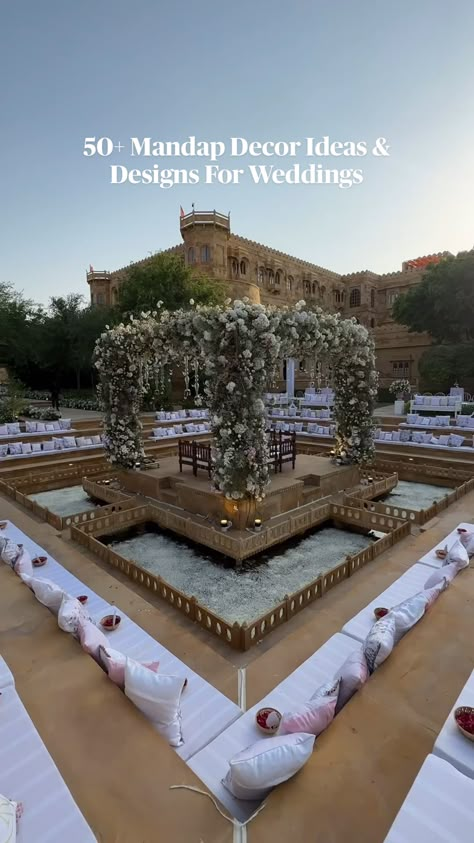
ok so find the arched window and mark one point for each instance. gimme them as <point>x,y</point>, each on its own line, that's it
<point>289,283</point>
<point>372,323</point>
<point>313,289</point>
<point>243,268</point>
<point>277,279</point>
<point>205,254</point>
<point>191,255</point>
<point>235,268</point>
<point>323,291</point>
<point>354,300</point>
<point>372,298</point>
<point>271,276</point>
<point>260,275</point>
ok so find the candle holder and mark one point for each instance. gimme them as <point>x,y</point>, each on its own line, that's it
<point>225,524</point>
<point>257,524</point>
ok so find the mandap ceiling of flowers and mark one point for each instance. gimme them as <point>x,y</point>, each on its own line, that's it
<point>236,349</point>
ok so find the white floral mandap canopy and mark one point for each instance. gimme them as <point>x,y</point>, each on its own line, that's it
<point>235,349</point>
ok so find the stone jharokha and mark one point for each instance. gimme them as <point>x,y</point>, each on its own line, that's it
<point>235,348</point>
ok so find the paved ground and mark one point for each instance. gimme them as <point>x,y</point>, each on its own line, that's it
<point>120,771</point>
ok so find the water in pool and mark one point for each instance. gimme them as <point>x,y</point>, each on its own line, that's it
<point>245,594</point>
<point>416,495</point>
<point>64,502</point>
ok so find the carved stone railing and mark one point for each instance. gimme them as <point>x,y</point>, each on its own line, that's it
<point>245,635</point>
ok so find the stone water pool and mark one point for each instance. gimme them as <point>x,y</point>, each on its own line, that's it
<point>65,501</point>
<point>246,593</point>
<point>415,495</point>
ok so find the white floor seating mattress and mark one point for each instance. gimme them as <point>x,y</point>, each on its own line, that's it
<point>29,775</point>
<point>450,744</point>
<point>431,559</point>
<point>211,764</point>
<point>410,583</point>
<point>6,676</point>
<point>205,711</point>
<point>438,809</point>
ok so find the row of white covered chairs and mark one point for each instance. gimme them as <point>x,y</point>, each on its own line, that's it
<point>436,401</point>
<point>413,419</point>
<point>10,450</point>
<point>175,415</point>
<point>324,399</point>
<point>304,413</point>
<point>180,430</point>
<point>299,427</point>
<point>31,427</point>
<point>417,437</point>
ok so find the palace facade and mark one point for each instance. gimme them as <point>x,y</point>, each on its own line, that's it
<point>266,275</point>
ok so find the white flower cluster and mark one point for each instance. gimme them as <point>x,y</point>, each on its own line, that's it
<point>401,387</point>
<point>237,347</point>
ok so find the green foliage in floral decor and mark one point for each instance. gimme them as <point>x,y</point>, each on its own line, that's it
<point>401,389</point>
<point>234,351</point>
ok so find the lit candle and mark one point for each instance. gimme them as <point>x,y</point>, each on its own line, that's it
<point>224,523</point>
<point>258,524</point>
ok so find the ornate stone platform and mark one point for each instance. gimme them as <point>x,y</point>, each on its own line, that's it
<point>313,478</point>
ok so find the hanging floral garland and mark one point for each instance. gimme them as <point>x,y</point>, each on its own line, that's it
<point>236,348</point>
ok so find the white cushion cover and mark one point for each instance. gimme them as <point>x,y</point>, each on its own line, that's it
<point>13,427</point>
<point>65,424</point>
<point>35,447</point>
<point>69,442</point>
<point>26,448</point>
<point>96,440</point>
<point>30,426</point>
<point>158,697</point>
<point>9,551</point>
<point>71,612</point>
<point>40,427</point>
<point>458,554</point>
<point>3,430</point>
<point>7,820</point>
<point>47,446</point>
<point>47,592</point>
<point>267,763</point>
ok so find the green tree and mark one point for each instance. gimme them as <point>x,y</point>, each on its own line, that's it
<point>67,339</point>
<point>19,319</point>
<point>165,278</point>
<point>443,365</point>
<point>443,303</point>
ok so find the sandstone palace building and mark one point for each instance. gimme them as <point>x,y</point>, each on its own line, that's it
<point>266,275</point>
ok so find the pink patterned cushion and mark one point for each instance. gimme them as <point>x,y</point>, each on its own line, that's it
<point>91,638</point>
<point>353,674</point>
<point>113,662</point>
<point>314,716</point>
